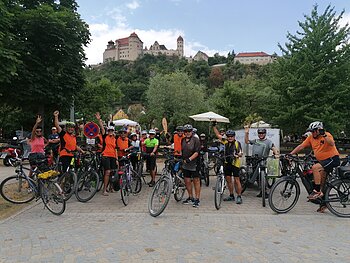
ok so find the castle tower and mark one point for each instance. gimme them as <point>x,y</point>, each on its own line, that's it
<point>135,47</point>
<point>180,46</point>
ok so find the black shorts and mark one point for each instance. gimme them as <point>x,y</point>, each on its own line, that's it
<point>151,162</point>
<point>35,158</point>
<point>230,170</point>
<point>330,163</point>
<point>65,160</point>
<point>109,163</point>
<point>190,174</point>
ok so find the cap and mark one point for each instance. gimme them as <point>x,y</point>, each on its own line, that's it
<point>53,128</point>
<point>152,131</point>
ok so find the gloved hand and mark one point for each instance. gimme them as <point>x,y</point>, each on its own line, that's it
<point>213,123</point>
<point>187,160</point>
<point>322,131</point>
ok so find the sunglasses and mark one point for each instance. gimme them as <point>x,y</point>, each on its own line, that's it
<point>261,132</point>
<point>230,136</point>
<point>188,131</point>
<point>38,131</point>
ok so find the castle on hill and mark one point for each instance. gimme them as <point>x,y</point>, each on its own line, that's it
<point>130,48</point>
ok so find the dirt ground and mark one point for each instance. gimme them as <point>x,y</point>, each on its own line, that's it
<point>8,209</point>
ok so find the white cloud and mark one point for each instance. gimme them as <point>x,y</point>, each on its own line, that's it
<point>102,33</point>
<point>133,5</point>
<point>345,20</point>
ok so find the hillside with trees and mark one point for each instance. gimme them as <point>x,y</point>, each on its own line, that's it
<point>308,82</point>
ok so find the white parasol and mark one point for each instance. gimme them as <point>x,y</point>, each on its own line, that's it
<point>210,116</point>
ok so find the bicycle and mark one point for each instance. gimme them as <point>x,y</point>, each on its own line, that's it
<point>130,180</point>
<point>80,178</point>
<point>21,188</point>
<point>203,169</point>
<point>287,190</point>
<point>220,185</point>
<point>170,181</point>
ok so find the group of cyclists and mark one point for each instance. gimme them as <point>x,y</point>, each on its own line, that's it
<point>188,146</point>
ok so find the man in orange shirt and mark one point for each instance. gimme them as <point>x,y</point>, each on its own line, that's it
<point>109,152</point>
<point>177,140</point>
<point>326,153</point>
<point>68,142</point>
<point>123,143</point>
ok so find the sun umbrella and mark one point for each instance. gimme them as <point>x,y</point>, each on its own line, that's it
<point>210,116</point>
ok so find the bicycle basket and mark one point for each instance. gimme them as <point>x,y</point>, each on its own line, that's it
<point>273,167</point>
<point>48,174</point>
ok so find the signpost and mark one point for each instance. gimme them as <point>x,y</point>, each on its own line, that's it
<point>91,130</point>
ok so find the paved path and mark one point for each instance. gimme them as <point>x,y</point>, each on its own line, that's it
<point>104,230</point>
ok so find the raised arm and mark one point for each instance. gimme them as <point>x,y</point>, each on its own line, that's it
<point>217,133</point>
<point>38,120</point>
<point>55,114</point>
<point>98,117</point>
<point>246,134</point>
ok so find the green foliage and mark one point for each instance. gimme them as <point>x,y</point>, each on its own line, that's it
<point>174,96</point>
<point>217,59</point>
<point>198,71</point>
<point>240,99</point>
<point>100,96</point>
<point>49,39</point>
<point>311,79</point>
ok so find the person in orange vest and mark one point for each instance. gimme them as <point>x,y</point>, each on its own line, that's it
<point>177,140</point>
<point>68,142</point>
<point>123,143</point>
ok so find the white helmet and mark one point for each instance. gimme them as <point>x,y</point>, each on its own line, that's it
<point>110,128</point>
<point>152,131</point>
<point>315,125</point>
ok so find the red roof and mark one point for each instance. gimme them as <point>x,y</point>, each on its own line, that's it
<point>123,41</point>
<point>252,54</point>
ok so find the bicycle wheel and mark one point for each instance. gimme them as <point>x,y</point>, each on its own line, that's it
<point>87,186</point>
<point>16,189</point>
<point>212,162</point>
<point>160,196</point>
<point>205,174</point>
<point>52,196</point>
<point>218,191</point>
<point>68,182</point>
<point>284,195</point>
<point>338,197</point>
<point>136,183</point>
<point>243,177</point>
<point>263,186</point>
<point>124,190</point>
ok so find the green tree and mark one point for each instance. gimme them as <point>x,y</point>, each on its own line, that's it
<point>174,96</point>
<point>49,37</point>
<point>102,96</point>
<point>8,56</point>
<point>311,79</point>
<point>247,97</point>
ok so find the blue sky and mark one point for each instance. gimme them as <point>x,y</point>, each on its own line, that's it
<point>207,25</point>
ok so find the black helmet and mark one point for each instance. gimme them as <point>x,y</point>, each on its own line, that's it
<point>261,130</point>
<point>230,133</point>
<point>180,128</point>
<point>188,127</point>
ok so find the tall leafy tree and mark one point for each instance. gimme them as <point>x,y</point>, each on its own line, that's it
<point>49,37</point>
<point>174,96</point>
<point>312,77</point>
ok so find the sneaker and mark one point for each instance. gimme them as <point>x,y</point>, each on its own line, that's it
<point>188,201</point>
<point>196,203</point>
<point>151,183</point>
<point>239,200</point>
<point>314,195</point>
<point>229,198</point>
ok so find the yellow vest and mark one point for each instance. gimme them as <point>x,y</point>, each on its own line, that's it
<point>236,161</point>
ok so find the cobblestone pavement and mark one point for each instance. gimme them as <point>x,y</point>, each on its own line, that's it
<point>104,230</point>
